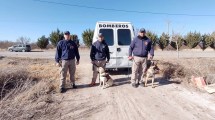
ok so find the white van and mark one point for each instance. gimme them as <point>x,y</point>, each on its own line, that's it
<point>118,36</point>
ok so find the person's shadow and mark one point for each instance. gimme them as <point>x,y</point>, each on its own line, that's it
<point>161,81</point>
<point>1,57</point>
<point>125,79</point>
<point>122,81</point>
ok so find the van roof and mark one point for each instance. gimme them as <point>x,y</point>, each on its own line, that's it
<point>114,22</point>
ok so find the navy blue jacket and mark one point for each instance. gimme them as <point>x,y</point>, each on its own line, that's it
<point>141,47</point>
<point>66,50</point>
<point>99,51</point>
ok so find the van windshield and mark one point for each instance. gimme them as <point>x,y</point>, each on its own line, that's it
<point>124,36</point>
<point>108,35</point>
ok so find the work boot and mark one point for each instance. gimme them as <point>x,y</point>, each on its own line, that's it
<point>62,90</point>
<point>134,85</point>
<point>92,84</point>
<point>74,86</point>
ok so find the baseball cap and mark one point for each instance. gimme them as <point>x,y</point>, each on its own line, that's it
<point>142,30</point>
<point>100,35</point>
<point>66,33</point>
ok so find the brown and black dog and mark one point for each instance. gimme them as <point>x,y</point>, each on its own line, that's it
<point>151,70</point>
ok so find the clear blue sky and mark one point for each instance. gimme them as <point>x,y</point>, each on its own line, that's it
<point>33,19</point>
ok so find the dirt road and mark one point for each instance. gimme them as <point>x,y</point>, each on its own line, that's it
<point>122,102</point>
<point>168,101</point>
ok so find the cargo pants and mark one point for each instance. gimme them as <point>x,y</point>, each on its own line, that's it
<point>67,65</point>
<point>95,69</point>
<point>138,69</point>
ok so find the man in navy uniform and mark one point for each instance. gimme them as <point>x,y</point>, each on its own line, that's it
<point>142,49</point>
<point>99,56</point>
<point>66,53</point>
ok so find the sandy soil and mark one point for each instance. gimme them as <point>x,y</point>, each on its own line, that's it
<point>122,102</point>
<point>168,101</point>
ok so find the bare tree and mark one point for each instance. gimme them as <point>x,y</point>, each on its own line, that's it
<point>176,41</point>
<point>23,40</point>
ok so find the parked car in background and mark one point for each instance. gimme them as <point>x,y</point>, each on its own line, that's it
<point>20,48</point>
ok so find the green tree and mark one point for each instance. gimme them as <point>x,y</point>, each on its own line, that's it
<point>163,41</point>
<point>152,36</point>
<point>74,38</point>
<point>55,37</point>
<point>213,37</point>
<point>192,39</point>
<point>207,40</point>
<point>87,36</point>
<point>42,42</point>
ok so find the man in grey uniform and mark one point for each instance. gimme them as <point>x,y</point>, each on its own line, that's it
<point>141,47</point>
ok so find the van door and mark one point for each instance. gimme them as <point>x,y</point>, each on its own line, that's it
<point>109,39</point>
<point>124,37</point>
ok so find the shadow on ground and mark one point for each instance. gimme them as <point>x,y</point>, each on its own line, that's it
<point>37,51</point>
<point>1,57</point>
<point>126,71</point>
<point>161,81</point>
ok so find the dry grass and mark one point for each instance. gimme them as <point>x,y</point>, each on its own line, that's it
<point>170,70</point>
<point>11,78</point>
<point>28,88</point>
<point>183,69</point>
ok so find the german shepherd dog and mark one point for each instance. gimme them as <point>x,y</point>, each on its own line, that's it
<point>151,70</point>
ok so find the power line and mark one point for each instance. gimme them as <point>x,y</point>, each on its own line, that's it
<point>128,11</point>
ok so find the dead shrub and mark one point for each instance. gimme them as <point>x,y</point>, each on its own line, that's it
<point>12,78</point>
<point>12,63</point>
<point>172,71</point>
<point>23,97</point>
<point>28,88</point>
<point>184,69</point>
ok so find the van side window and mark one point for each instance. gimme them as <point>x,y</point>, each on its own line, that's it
<point>124,36</point>
<point>108,35</point>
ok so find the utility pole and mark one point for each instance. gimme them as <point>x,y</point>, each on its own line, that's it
<point>168,24</point>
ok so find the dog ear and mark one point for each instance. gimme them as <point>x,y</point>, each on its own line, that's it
<point>156,67</point>
<point>152,63</point>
